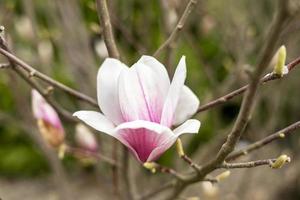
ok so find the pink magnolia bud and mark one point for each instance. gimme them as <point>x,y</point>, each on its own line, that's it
<point>85,138</point>
<point>48,121</point>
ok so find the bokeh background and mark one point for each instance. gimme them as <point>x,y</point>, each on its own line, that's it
<point>221,40</point>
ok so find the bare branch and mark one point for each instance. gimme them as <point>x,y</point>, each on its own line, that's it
<point>227,97</point>
<point>34,73</point>
<point>247,104</point>
<point>174,35</point>
<point>126,175</point>
<point>192,164</point>
<point>278,135</point>
<point>113,52</point>
<point>64,113</point>
<point>95,155</point>
<point>250,164</point>
<point>107,29</point>
<point>157,191</point>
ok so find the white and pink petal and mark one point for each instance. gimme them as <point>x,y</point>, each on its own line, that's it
<point>187,106</point>
<point>96,120</point>
<point>174,92</point>
<point>144,137</point>
<point>107,89</point>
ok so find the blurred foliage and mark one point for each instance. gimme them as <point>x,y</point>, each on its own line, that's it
<point>18,155</point>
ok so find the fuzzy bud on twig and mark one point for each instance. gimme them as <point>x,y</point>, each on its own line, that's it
<point>179,148</point>
<point>150,166</point>
<point>222,176</point>
<point>280,68</point>
<point>280,161</point>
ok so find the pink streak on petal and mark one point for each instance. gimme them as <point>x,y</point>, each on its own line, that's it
<point>143,137</point>
<point>159,150</point>
<point>141,140</point>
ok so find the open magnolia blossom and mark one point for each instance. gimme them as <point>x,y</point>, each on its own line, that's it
<point>47,119</point>
<point>140,106</point>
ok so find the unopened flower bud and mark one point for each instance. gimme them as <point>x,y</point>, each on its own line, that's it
<point>280,68</point>
<point>179,148</point>
<point>209,189</point>
<point>48,121</point>
<point>150,166</point>
<point>281,135</point>
<point>85,138</point>
<point>280,161</point>
<point>61,151</point>
<point>223,175</point>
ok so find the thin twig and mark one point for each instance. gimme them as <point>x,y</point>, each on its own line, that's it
<point>95,155</point>
<point>250,164</point>
<point>174,35</point>
<point>168,170</point>
<point>157,190</point>
<point>188,160</point>
<point>34,73</point>
<point>256,145</point>
<point>61,111</point>
<point>107,29</point>
<point>247,104</point>
<point>126,175</point>
<point>113,52</point>
<point>64,113</point>
<point>227,97</point>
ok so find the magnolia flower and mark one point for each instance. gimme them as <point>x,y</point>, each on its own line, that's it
<point>140,106</point>
<point>48,121</point>
<point>85,138</point>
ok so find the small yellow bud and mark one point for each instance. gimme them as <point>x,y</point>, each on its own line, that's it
<point>61,151</point>
<point>281,135</point>
<point>210,190</point>
<point>280,68</point>
<point>223,176</point>
<point>179,148</point>
<point>280,161</point>
<point>150,166</point>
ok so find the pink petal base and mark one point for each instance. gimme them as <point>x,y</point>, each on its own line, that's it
<point>143,142</point>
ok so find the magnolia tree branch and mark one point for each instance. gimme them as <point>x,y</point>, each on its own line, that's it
<point>250,164</point>
<point>113,52</point>
<point>104,18</point>
<point>248,101</point>
<point>96,155</point>
<point>175,33</point>
<point>64,113</point>
<point>256,145</point>
<point>34,73</point>
<point>227,97</point>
